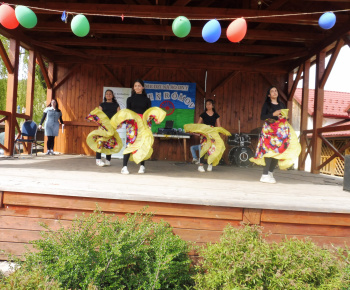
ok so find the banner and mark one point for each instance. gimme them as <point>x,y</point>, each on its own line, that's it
<point>177,99</point>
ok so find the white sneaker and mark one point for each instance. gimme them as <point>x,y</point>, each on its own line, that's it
<point>124,170</point>
<point>107,163</point>
<point>48,152</point>
<point>201,168</point>
<point>52,152</point>
<point>99,162</point>
<point>266,178</point>
<point>195,161</point>
<point>210,167</point>
<point>271,176</point>
<point>142,169</point>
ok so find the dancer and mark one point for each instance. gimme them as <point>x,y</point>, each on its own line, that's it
<point>52,125</point>
<point>194,150</point>
<point>138,102</point>
<point>278,142</point>
<point>110,107</point>
<point>208,117</point>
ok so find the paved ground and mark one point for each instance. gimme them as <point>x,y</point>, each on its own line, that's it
<point>165,181</point>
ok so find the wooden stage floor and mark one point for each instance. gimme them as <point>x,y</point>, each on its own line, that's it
<point>198,205</point>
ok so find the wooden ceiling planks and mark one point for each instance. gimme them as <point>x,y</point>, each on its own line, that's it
<point>271,39</point>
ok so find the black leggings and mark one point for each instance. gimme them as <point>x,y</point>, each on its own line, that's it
<point>270,165</point>
<point>50,142</point>
<point>98,156</point>
<point>126,159</point>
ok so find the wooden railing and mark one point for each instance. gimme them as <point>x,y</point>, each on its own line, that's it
<point>17,115</point>
<point>336,127</point>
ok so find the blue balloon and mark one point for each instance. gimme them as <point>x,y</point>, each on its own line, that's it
<point>327,20</point>
<point>211,31</point>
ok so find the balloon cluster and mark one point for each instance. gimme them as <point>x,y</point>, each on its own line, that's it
<point>211,31</point>
<point>10,18</point>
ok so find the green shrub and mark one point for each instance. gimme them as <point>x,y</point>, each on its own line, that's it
<point>244,260</point>
<point>24,280</point>
<point>134,253</point>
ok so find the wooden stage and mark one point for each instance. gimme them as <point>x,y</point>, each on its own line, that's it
<point>197,205</point>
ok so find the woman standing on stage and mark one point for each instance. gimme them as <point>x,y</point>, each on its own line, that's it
<point>208,117</point>
<point>110,107</point>
<point>278,142</point>
<point>52,125</point>
<point>139,103</point>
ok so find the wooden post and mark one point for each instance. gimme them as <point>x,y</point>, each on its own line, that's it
<point>290,100</point>
<point>11,97</point>
<point>30,84</point>
<point>318,113</point>
<point>304,114</point>
<point>50,90</point>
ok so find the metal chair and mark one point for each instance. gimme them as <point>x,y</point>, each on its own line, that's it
<point>29,129</point>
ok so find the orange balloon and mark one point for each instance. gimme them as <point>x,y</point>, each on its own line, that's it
<point>236,30</point>
<point>8,17</point>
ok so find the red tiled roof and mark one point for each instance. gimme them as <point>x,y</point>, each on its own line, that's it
<point>339,133</point>
<point>336,104</point>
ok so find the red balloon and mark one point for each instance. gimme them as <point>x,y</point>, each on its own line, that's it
<point>8,17</point>
<point>236,30</point>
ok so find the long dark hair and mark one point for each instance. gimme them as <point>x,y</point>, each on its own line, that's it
<point>268,99</point>
<point>113,100</point>
<point>50,105</point>
<point>212,102</point>
<point>142,84</point>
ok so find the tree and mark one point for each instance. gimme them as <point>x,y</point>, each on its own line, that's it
<point>39,102</point>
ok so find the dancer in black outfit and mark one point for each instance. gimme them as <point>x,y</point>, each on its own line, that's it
<point>110,107</point>
<point>271,110</point>
<point>209,117</point>
<point>139,103</point>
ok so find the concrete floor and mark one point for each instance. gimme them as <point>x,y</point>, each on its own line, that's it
<point>173,182</point>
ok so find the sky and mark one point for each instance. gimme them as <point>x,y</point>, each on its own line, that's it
<point>339,79</point>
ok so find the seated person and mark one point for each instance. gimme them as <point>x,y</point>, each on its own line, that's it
<point>195,148</point>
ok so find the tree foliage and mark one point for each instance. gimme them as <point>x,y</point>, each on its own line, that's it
<point>39,87</point>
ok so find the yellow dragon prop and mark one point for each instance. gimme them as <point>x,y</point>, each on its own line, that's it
<point>139,135</point>
<point>211,141</point>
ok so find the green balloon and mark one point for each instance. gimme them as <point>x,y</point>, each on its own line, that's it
<point>26,17</point>
<point>181,26</point>
<point>80,25</point>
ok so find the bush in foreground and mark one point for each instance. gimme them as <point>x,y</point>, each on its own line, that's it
<point>101,252</point>
<point>244,260</point>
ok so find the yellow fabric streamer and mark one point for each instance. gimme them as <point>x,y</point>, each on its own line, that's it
<point>105,139</point>
<point>211,141</point>
<point>140,133</point>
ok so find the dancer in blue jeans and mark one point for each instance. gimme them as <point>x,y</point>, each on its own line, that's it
<point>194,149</point>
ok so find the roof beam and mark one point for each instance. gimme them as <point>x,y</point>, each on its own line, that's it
<point>174,45</point>
<point>5,58</point>
<point>295,83</point>
<point>339,33</point>
<point>170,62</point>
<point>44,71</point>
<point>135,29</point>
<point>331,63</point>
<point>163,11</point>
<point>181,2</point>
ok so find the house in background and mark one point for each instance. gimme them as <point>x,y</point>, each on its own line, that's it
<point>336,110</point>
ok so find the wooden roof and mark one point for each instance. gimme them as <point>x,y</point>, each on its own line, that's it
<point>272,43</point>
